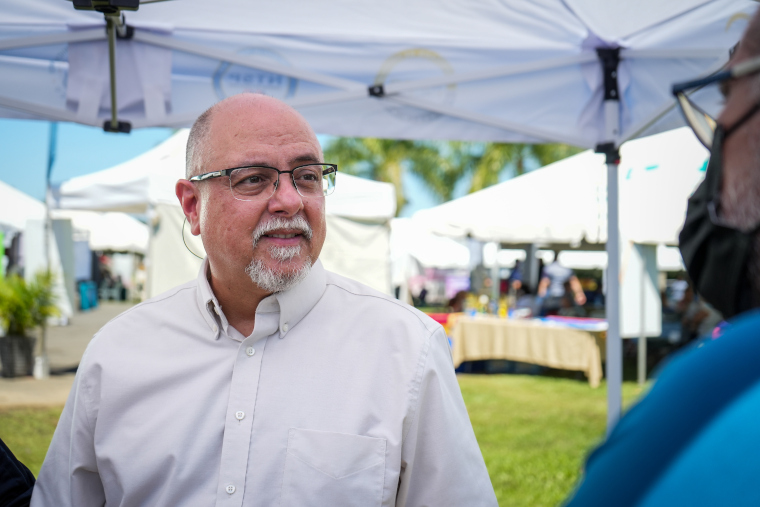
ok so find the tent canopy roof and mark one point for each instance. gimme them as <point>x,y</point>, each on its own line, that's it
<point>16,208</point>
<point>502,71</point>
<point>117,232</point>
<point>565,203</point>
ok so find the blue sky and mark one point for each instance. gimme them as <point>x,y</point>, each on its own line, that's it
<point>83,150</point>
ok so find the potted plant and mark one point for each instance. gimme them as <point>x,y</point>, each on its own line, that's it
<point>23,307</point>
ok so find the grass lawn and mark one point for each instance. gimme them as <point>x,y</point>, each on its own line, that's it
<point>534,432</point>
<point>27,432</point>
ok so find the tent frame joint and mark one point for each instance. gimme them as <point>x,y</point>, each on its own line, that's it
<point>376,90</point>
<point>610,58</point>
<point>125,31</point>
<point>611,152</point>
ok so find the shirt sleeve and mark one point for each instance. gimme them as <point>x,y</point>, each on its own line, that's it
<point>69,475</point>
<point>440,458</point>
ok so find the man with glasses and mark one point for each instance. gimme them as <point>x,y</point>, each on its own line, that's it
<point>694,439</point>
<point>268,380</point>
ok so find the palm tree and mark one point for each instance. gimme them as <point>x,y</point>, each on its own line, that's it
<point>379,159</point>
<point>439,164</point>
<point>498,156</point>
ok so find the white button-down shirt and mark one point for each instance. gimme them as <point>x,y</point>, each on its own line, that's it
<point>340,396</point>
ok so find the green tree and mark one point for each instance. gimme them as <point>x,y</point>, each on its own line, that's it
<point>497,156</point>
<point>441,165</point>
<point>376,159</point>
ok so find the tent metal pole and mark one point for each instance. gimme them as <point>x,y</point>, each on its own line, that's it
<point>115,26</point>
<point>41,368</point>
<point>612,298</point>
<point>490,73</point>
<point>495,280</point>
<point>48,112</point>
<point>652,54</point>
<point>57,38</point>
<point>637,129</point>
<point>110,27</point>
<point>541,134</point>
<point>641,357</point>
<point>609,59</point>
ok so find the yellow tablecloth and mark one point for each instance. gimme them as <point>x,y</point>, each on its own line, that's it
<point>486,337</point>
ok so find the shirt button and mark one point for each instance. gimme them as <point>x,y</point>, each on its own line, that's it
<point>285,328</point>
<point>239,415</point>
<point>230,489</point>
<point>250,351</point>
<point>216,329</point>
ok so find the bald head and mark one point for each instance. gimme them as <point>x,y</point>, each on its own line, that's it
<point>244,111</point>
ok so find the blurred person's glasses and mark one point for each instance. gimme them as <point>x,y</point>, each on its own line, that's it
<point>260,182</point>
<point>701,122</point>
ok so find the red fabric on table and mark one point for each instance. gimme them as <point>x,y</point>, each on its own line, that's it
<point>441,318</point>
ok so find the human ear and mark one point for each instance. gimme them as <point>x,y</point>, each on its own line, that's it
<point>189,199</point>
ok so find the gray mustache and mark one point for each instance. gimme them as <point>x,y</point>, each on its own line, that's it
<point>298,223</point>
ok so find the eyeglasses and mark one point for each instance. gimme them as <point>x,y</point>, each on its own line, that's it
<point>702,123</point>
<point>260,182</point>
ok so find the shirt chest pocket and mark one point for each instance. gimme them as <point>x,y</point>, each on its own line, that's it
<point>325,468</point>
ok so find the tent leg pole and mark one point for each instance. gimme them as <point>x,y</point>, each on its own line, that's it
<point>641,355</point>
<point>612,302</point>
<point>41,368</point>
<point>609,59</point>
<point>642,360</point>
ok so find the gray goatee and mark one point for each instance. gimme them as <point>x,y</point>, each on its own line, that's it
<point>284,278</point>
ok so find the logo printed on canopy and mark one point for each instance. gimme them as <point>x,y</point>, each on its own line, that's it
<point>230,79</point>
<point>417,63</point>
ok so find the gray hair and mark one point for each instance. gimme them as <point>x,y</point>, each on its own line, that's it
<point>198,150</point>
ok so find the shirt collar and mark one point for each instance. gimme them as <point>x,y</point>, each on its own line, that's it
<point>293,304</point>
<point>298,301</point>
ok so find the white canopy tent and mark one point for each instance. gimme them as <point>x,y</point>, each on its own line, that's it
<point>108,231</point>
<point>565,203</point>
<point>409,238</point>
<point>507,71</point>
<point>149,179</point>
<point>16,208</point>
<point>358,215</point>
<point>668,258</point>
<point>584,72</point>
<point>413,248</point>
<point>21,213</point>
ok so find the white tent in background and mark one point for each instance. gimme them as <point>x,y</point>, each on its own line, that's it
<point>108,231</point>
<point>668,258</point>
<point>565,203</point>
<point>16,208</point>
<point>148,179</point>
<point>584,72</point>
<point>23,214</point>
<point>408,238</point>
<point>131,187</point>
<point>414,248</point>
<point>358,215</point>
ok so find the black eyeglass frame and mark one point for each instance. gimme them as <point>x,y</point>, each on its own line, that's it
<point>684,89</point>
<point>333,168</point>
